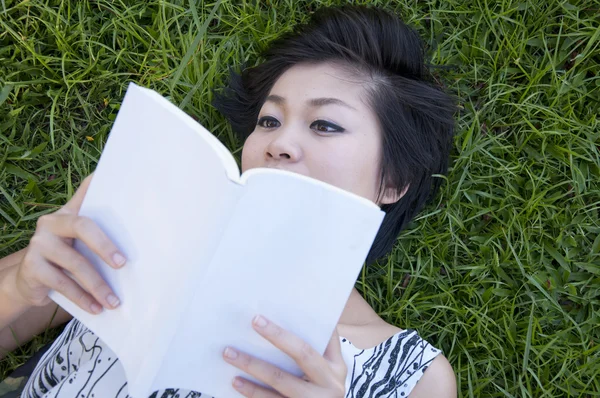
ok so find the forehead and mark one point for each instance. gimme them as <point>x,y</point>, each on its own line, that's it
<point>305,81</point>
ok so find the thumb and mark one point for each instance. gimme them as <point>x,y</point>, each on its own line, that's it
<point>74,204</point>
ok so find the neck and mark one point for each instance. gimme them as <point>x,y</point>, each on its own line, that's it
<point>357,311</point>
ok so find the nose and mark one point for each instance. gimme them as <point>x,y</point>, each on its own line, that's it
<point>283,146</point>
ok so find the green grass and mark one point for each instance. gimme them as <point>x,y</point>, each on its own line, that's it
<point>502,272</point>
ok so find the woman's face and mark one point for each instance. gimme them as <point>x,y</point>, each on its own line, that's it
<point>315,122</point>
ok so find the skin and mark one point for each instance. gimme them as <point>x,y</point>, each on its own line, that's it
<point>295,133</point>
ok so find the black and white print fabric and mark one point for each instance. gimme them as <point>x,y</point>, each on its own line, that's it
<point>80,365</point>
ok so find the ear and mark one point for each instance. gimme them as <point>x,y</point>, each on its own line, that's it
<point>391,195</point>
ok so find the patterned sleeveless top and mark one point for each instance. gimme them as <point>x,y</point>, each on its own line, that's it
<point>80,365</point>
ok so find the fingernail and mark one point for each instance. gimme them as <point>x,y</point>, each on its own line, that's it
<point>119,259</point>
<point>237,383</point>
<point>96,309</point>
<point>112,300</point>
<point>230,353</point>
<point>260,322</point>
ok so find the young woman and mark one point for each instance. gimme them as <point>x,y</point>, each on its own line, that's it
<point>345,99</point>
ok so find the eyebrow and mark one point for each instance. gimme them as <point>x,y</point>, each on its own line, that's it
<point>314,102</point>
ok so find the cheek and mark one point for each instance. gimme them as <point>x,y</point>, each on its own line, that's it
<point>251,153</point>
<point>365,166</point>
<point>353,167</point>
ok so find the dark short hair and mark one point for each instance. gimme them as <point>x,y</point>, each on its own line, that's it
<point>416,116</point>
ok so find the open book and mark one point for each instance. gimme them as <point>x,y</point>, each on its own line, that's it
<point>209,249</point>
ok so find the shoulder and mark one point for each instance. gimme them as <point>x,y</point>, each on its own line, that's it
<point>401,361</point>
<point>438,378</point>
<point>438,381</point>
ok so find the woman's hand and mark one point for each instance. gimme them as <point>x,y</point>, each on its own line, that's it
<point>50,253</point>
<point>324,376</point>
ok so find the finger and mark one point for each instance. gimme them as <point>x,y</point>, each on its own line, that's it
<point>57,280</point>
<point>308,359</point>
<point>86,230</point>
<point>250,389</point>
<point>74,204</point>
<point>65,256</point>
<point>286,384</point>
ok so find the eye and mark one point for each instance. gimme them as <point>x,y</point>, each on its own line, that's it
<point>268,122</point>
<point>323,126</point>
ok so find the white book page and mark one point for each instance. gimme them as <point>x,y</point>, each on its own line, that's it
<point>292,252</point>
<point>161,193</point>
<point>227,160</point>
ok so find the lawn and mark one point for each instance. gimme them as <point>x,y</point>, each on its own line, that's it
<point>502,271</point>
